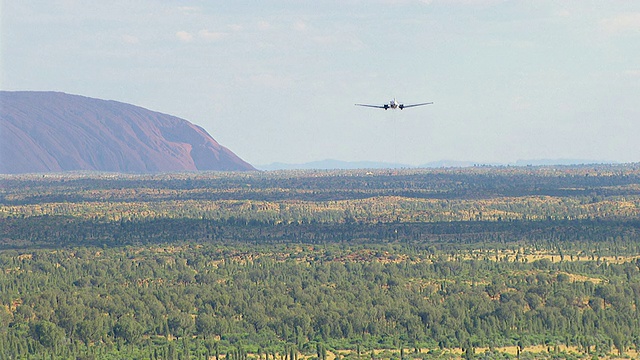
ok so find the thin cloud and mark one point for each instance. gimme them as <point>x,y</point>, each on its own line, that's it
<point>211,35</point>
<point>623,23</point>
<point>633,73</point>
<point>264,25</point>
<point>184,36</point>
<point>130,39</point>
<point>348,41</point>
<point>521,103</point>
<point>189,9</point>
<point>325,40</point>
<point>300,26</point>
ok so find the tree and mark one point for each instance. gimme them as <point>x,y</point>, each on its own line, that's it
<point>128,329</point>
<point>206,325</point>
<point>619,341</point>
<point>180,323</point>
<point>92,328</point>
<point>47,333</point>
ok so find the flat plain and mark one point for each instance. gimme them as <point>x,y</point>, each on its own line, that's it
<point>485,262</point>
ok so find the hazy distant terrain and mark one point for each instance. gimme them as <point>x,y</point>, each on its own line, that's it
<point>345,165</point>
<point>51,132</point>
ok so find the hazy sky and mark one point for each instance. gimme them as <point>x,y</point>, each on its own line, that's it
<point>276,81</point>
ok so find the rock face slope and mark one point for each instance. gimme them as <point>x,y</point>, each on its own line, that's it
<point>52,131</point>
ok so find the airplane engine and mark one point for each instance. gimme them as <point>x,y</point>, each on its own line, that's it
<point>386,106</point>
<point>401,106</point>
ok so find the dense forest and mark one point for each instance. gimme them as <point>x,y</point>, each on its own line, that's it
<point>484,262</point>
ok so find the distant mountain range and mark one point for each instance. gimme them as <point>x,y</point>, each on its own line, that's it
<point>53,132</point>
<point>337,164</point>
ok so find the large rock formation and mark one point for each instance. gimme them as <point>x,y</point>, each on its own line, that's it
<point>52,132</point>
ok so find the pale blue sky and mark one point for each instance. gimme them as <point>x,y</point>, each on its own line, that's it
<point>275,81</point>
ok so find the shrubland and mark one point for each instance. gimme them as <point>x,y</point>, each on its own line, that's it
<point>389,264</point>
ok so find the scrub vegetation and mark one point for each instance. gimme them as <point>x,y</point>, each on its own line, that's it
<point>483,262</point>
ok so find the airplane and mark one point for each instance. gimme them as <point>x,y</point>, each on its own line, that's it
<point>393,104</point>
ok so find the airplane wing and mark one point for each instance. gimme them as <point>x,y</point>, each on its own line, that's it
<point>374,106</point>
<point>412,105</point>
